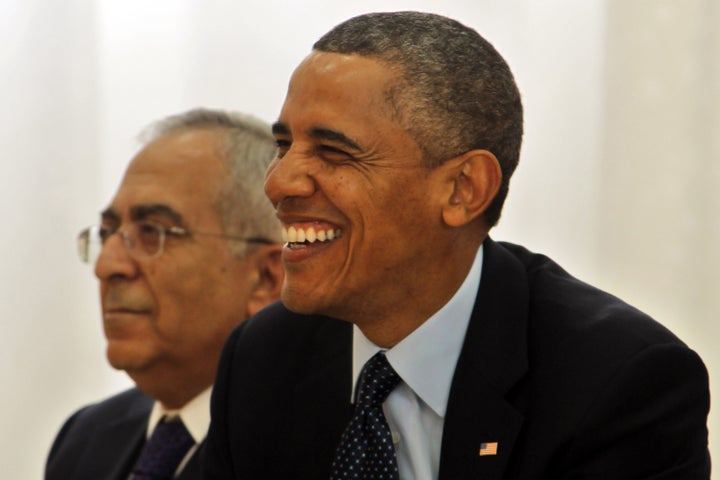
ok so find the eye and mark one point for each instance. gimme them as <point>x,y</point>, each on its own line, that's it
<point>283,146</point>
<point>334,154</point>
<point>105,231</point>
<point>148,234</point>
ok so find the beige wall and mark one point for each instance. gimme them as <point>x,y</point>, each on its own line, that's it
<point>660,181</point>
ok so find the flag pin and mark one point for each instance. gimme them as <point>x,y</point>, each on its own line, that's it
<point>488,448</point>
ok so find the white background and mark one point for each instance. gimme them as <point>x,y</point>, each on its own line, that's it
<point>618,181</point>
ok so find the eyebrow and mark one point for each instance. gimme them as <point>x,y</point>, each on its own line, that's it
<point>141,212</point>
<point>320,133</point>
<point>110,214</point>
<point>280,129</point>
<point>334,136</point>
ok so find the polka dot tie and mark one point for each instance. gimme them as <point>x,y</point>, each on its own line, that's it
<point>366,450</point>
<point>163,452</point>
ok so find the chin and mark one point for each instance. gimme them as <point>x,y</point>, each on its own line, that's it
<point>120,357</point>
<point>292,304</point>
<point>299,302</point>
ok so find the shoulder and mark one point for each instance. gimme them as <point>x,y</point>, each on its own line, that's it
<point>563,304</point>
<point>603,378</point>
<point>276,332</point>
<point>267,390</point>
<point>81,434</point>
<point>275,347</point>
<point>578,337</point>
<point>129,403</point>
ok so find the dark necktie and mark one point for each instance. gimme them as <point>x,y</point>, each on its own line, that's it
<point>163,451</point>
<point>366,450</point>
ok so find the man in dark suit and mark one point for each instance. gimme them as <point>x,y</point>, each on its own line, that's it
<point>187,248</point>
<point>408,344</point>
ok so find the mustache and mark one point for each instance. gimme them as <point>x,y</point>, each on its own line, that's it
<point>119,299</point>
<point>300,206</point>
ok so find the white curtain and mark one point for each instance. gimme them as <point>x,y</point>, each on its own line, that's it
<point>618,179</point>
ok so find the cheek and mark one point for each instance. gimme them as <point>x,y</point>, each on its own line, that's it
<point>178,295</point>
<point>396,213</point>
<point>223,289</point>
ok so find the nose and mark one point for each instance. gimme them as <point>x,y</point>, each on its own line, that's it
<point>114,260</point>
<point>289,176</point>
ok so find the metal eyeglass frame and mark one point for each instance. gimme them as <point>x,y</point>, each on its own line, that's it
<point>131,239</point>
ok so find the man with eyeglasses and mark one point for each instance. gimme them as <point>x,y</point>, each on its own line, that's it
<point>187,249</point>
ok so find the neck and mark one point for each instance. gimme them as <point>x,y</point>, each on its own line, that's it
<point>414,305</point>
<point>172,395</point>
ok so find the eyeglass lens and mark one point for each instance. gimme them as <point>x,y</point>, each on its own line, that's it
<point>142,240</point>
<point>89,244</point>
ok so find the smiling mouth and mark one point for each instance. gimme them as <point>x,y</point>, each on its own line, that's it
<point>303,237</point>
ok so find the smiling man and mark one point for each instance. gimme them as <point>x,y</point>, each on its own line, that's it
<point>408,344</point>
<point>187,249</point>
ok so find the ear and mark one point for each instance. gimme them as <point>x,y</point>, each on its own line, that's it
<point>269,280</point>
<point>475,179</point>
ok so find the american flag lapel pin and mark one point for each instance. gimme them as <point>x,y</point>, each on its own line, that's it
<point>488,448</point>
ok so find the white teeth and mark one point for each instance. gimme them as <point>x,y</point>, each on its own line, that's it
<point>310,235</point>
<point>291,235</point>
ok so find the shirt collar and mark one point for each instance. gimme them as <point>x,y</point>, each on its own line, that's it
<point>426,359</point>
<point>195,415</point>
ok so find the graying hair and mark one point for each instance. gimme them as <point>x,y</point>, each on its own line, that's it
<point>248,150</point>
<point>454,92</point>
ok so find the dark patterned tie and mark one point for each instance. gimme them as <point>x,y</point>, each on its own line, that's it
<point>163,451</point>
<point>366,450</point>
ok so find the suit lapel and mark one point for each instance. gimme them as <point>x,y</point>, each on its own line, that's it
<point>321,409</point>
<point>193,468</point>
<point>115,445</point>
<point>492,361</point>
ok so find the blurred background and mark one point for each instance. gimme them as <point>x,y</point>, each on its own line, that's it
<point>619,179</point>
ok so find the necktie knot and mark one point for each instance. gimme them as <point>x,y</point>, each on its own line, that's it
<point>163,452</point>
<point>377,380</point>
<point>366,450</point>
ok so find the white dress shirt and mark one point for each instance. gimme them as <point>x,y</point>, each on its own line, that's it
<point>425,361</point>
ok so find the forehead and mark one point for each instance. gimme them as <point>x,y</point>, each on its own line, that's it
<point>333,87</point>
<point>183,170</point>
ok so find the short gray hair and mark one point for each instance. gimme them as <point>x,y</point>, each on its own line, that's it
<point>454,94</point>
<point>249,148</point>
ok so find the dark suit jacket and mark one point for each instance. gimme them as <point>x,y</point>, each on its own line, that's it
<point>103,441</point>
<point>571,383</point>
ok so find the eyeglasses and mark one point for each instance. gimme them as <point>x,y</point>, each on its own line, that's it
<point>143,239</point>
